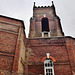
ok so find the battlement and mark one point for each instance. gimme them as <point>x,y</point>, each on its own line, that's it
<point>43,6</point>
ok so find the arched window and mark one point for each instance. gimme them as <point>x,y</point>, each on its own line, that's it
<point>45,24</point>
<point>48,67</point>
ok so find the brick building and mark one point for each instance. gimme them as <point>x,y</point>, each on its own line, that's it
<point>27,56</point>
<point>46,36</point>
<point>12,46</point>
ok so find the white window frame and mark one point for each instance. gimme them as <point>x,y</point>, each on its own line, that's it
<point>48,67</point>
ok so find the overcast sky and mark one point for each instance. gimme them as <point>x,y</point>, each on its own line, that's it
<point>23,10</point>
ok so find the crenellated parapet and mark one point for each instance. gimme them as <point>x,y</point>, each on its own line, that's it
<point>45,22</point>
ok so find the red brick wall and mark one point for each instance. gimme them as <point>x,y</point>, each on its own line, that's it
<point>6,63</point>
<point>55,51</point>
<point>35,69</point>
<point>7,50</point>
<point>62,69</point>
<point>38,47</point>
<point>58,69</point>
<point>70,45</point>
<point>8,27</point>
<point>8,42</point>
<point>10,34</point>
<point>56,48</point>
<point>10,20</point>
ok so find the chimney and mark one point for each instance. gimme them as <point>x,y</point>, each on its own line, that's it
<point>48,54</point>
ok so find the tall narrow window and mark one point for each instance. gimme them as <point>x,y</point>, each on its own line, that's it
<point>45,24</point>
<point>48,67</point>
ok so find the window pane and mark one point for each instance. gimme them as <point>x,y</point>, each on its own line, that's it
<point>46,73</point>
<point>45,64</point>
<point>48,70</point>
<point>48,64</point>
<point>51,70</point>
<point>51,73</point>
<point>45,25</point>
<point>51,65</point>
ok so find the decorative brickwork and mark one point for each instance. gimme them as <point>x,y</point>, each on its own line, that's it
<point>12,45</point>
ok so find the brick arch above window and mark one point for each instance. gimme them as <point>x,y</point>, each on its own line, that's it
<point>45,17</point>
<point>44,58</point>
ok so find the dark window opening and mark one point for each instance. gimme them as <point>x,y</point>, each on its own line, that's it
<point>49,72</point>
<point>50,64</point>
<point>45,25</point>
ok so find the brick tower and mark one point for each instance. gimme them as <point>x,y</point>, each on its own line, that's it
<point>46,36</point>
<point>45,22</point>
